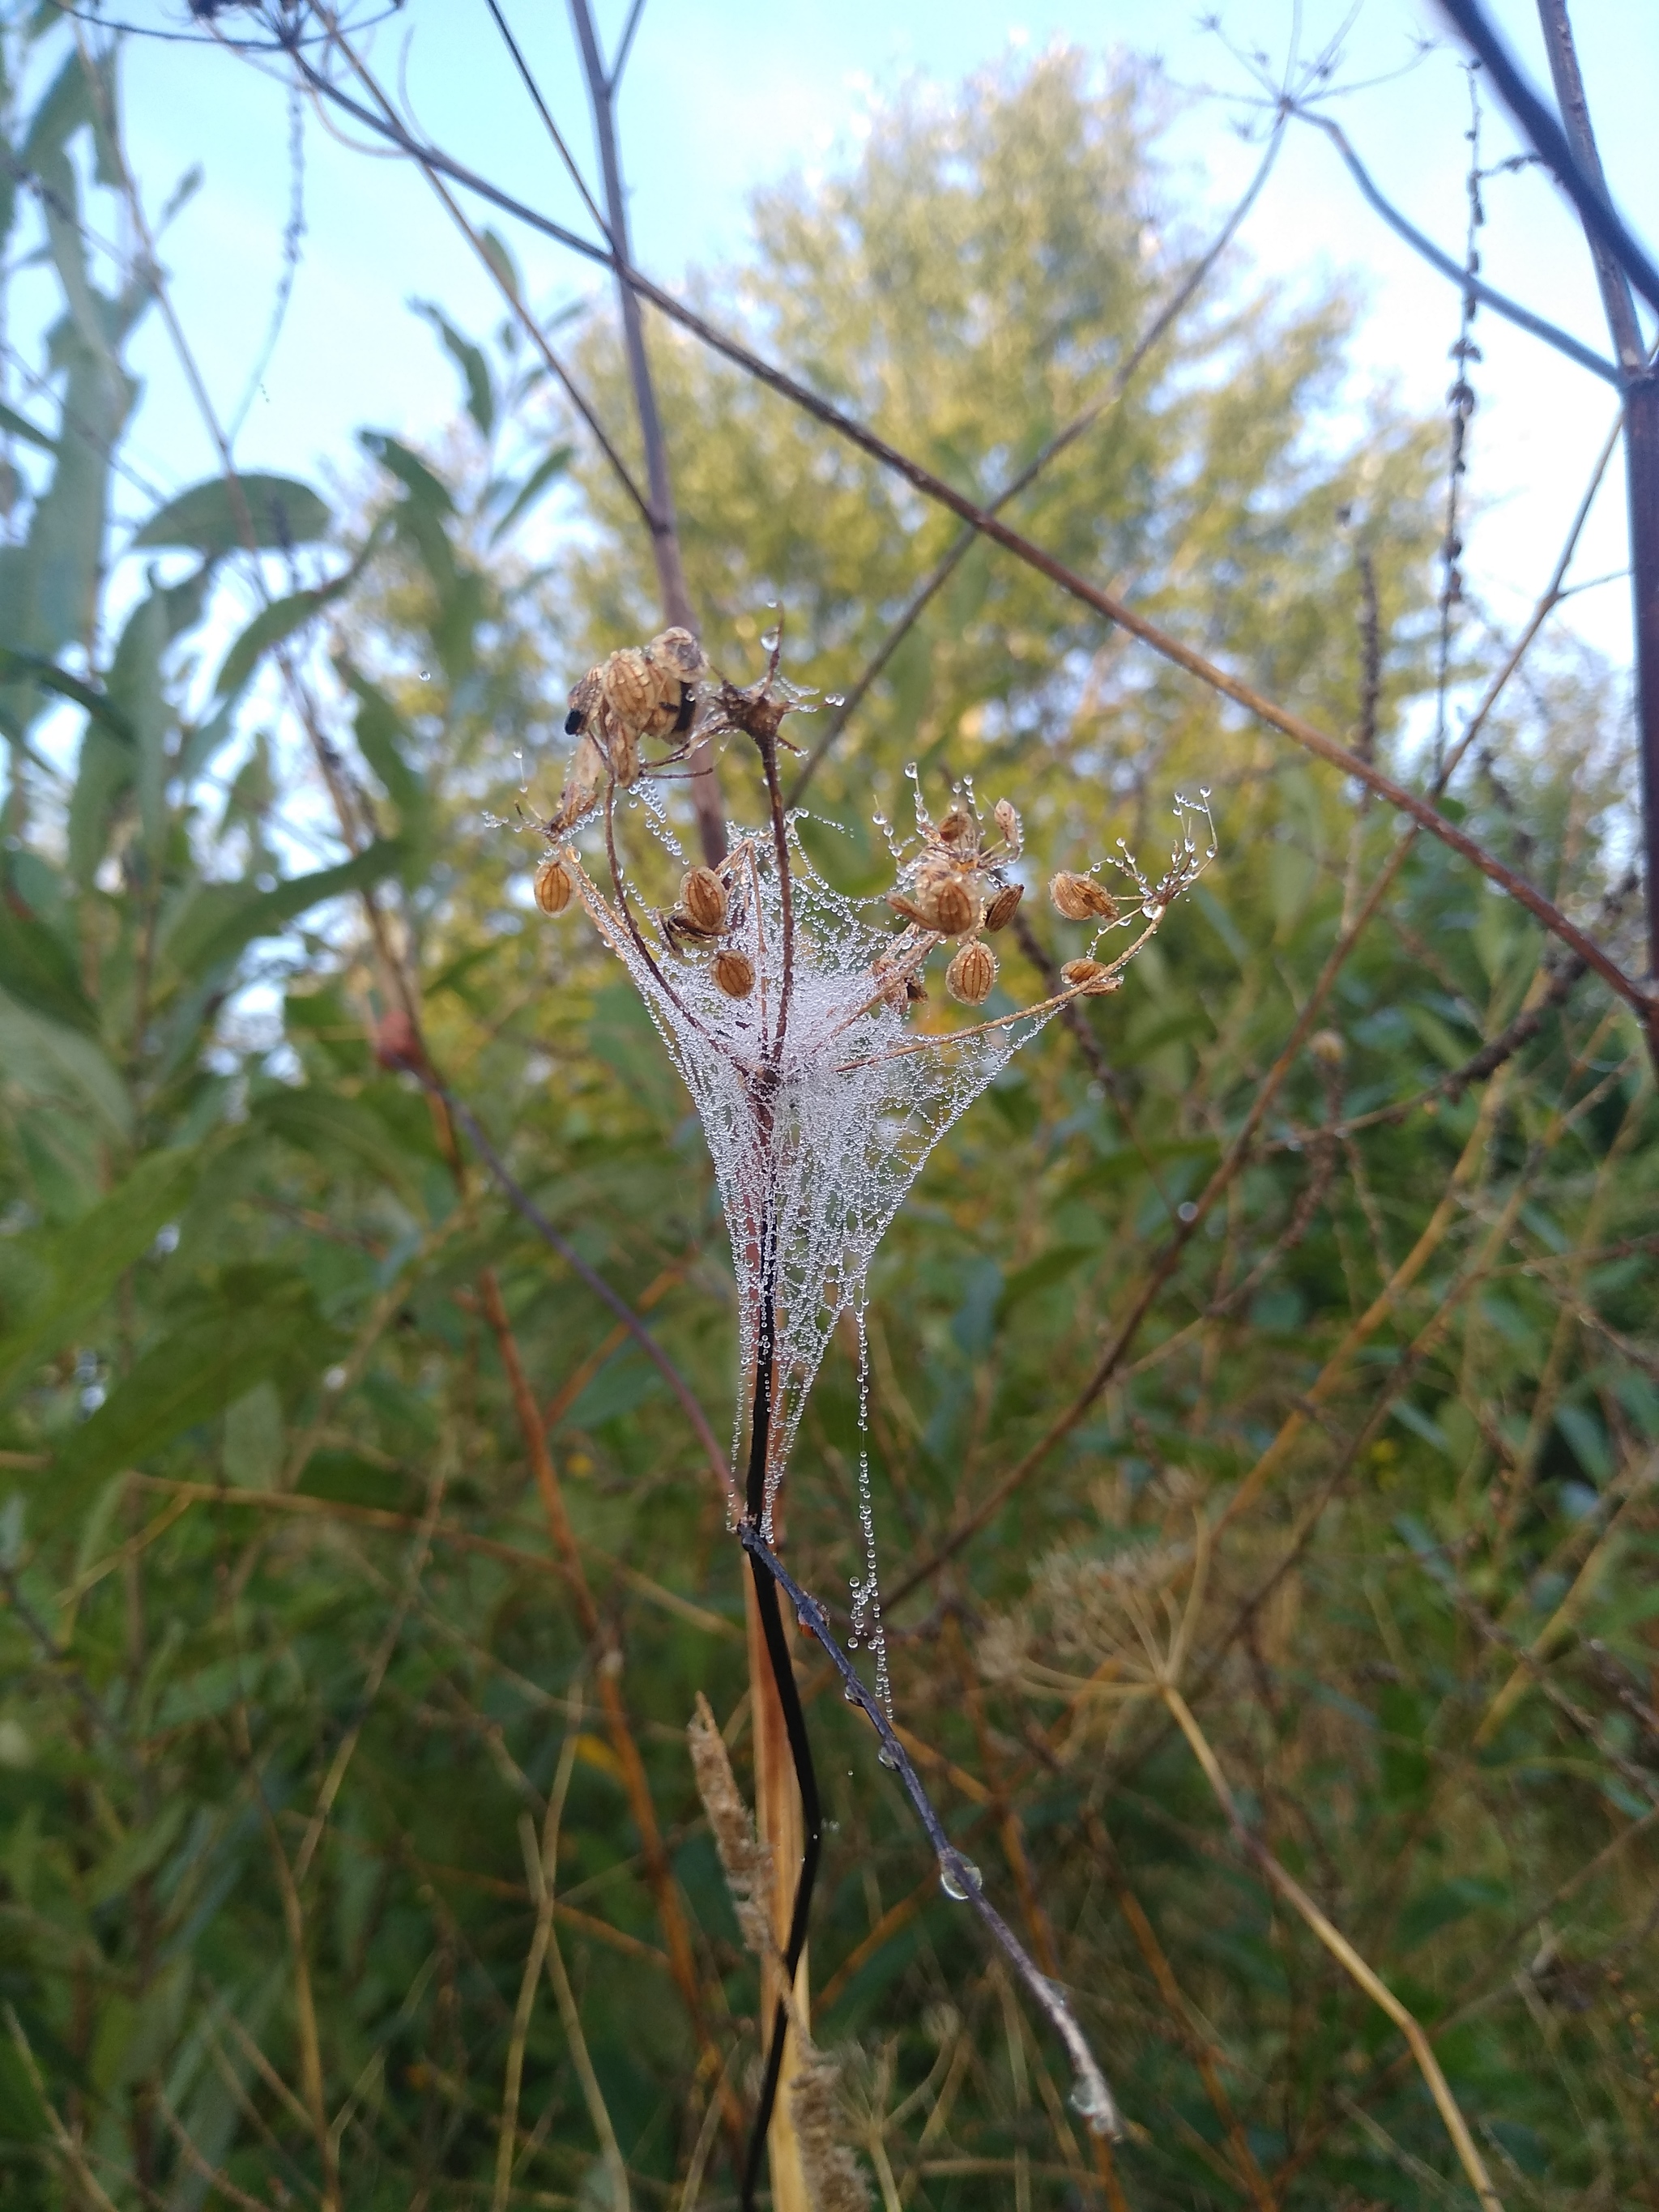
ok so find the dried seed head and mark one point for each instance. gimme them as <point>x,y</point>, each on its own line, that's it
<point>631,689</point>
<point>1008,822</point>
<point>553,885</point>
<point>1080,898</point>
<point>584,698</point>
<point>677,653</point>
<point>702,895</point>
<point>1003,907</point>
<point>733,973</point>
<point>951,908</point>
<point>959,827</point>
<point>1092,977</point>
<point>971,973</point>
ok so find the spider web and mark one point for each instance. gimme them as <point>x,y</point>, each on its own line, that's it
<point>812,1160</point>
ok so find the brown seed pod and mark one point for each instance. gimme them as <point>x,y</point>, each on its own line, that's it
<point>971,973</point>
<point>1008,822</point>
<point>959,827</point>
<point>951,906</point>
<point>733,973</point>
<point>631,689</point>
<point>553,885</point>
<point>702,897</point>
<point>677,653</point>
<point>1080,898</point>
<point>1092,977</point>
<point>1004,906</point>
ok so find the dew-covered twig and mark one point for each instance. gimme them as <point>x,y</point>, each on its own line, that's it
<point>959,1877</point>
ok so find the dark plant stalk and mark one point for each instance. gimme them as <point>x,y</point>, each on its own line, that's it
<point>1093,2098</point>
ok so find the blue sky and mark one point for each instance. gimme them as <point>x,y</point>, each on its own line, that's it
<point>720,99</point>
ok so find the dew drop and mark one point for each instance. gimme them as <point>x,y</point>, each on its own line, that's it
<point>887,1758</point>
<point>426,676</point>
<point>960,1878</point>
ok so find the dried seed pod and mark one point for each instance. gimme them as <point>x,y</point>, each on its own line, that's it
<point>959,827</point>
<point>971,973</point>
<point>631,689</point>
<point>951,908</point>
<point>733,973</point>
<point>1328,1048</point>
<point>1092,977</point>
<point>677,653</point>
<point>584,698</point>
<point>702,897</point>
<point>1080,898</point>
<point>582,780</point>
<point>553,885</point>
<point>1004,906</point>
<point>1008,822</point>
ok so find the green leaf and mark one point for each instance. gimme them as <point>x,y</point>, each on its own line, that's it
<point>34,668</point>
<point>278,512</point>
<point>556,463</point>
<point>1446,1902</point>
<point>411,470</point>
<point>500,258</point>
<point>268,628</point>
<point>192,1374</point>
<point>383,739</point>
<point>20,427</point>
<point>73,1270</point>
<point>38,970</point>
<point>475,371</point>
<point>222,919</point>
<point>47,1060</point>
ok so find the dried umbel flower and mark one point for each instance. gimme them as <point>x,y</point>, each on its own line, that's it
<point>1080,898</point>
<point>554,885</point>
<point>584,698</point>
<point>1003,907</point>
<point>703,901</point>
<point>971,973</point>
<point>1092,977</point>
<point>734,973</point>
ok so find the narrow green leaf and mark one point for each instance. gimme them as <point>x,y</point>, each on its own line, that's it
<point>269,627</point>
<point>224,918</point>
<point>467,358</point>
<point>411,470</point>
<point>20,427</point>
<point>556,464</point>
<point>276,511</point>
<point>35,668</point>
<point>73,1270</point>
<point>39,971</point>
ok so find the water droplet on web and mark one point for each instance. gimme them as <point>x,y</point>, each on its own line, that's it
<point>769,639</point>
<point>833,699</point>
<point>960,1880</point>
<point>426,676</point>
<point>852,1643</point>
<point>887,1758</point>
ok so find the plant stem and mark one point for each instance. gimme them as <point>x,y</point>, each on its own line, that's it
<point>664,528</point>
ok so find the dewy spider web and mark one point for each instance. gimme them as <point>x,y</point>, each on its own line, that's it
<point>816,1137</point>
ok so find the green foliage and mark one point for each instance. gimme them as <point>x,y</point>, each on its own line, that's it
<point>287,1659</point>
